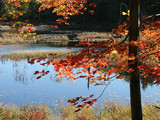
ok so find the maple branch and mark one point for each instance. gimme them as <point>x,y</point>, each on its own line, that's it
<point>149,54</point>
<point>109,82</point>
<point>122,40</point>
<point>113,46</point>
<point>154,44</point>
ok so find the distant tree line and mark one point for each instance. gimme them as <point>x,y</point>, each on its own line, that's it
<point>107,12</point>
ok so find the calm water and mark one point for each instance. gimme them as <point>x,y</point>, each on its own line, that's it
<point>19,86</point>
<point>30,47</point>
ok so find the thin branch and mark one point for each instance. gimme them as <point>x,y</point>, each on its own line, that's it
<point>113,45</point>
<point>106,86</point>
<point>149,54</point>
<point>151,16</point>
<point>121,5</point>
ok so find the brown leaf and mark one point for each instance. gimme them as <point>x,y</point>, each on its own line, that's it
<point>38,77</point>
<point>77,110</point>
<point>71,100</point>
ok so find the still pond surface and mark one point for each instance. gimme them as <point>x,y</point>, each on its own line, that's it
<point>19,86</point>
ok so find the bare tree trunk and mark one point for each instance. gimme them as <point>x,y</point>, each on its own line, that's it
<point>135,93</point>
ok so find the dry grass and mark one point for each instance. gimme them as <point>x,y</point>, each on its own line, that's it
<point>35,54</point>
<point>55,38</point>
<point>85,35</point>
<point>7,38</point>
<point>109,111</point>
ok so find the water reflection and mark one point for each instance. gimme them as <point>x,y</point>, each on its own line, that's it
<point>20,74</point>
<point>30,47</point>
<point>19,86</point>
<point>22,77</point>
<point>145,82</point>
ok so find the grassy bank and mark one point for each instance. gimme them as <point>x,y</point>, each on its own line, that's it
<point>110,111</point>
<point>36,54</point>
<point>7,38</point>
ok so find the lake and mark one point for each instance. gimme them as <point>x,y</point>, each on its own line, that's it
<point>19,86</point>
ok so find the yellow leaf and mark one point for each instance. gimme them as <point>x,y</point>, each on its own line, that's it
<point>25,36</point>
<point>114,52</point>
<point>124,13</point>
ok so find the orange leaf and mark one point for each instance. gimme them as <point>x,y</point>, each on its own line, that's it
<point>147,71</point>
<point>119,77</point>
<point>95,79</point>
<point>56,26</point>
<point>158,55</point>
<point>91,96</point>
<point>95,100</point>
<point>51,26</point>
<point>131,70</point>
<point>29,29</point>
<point>37,72</point>
<point>90,82</point>
<point>157,22</point>
<point>84,70</point>
<point>94,6</point>
<point>132,57</point>
<point>155,68</point>
<point>31,62</point>
<point>82,76</point>
<point>143,38</point>
<point>51,54</point>
<point>92,39</point>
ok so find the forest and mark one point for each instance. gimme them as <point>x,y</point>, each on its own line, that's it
<point>107,14</point>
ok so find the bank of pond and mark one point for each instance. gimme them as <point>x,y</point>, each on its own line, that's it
<point>108,111</point>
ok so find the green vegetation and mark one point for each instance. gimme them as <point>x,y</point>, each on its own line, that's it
<point>110,111</point>
<point>36,54</point>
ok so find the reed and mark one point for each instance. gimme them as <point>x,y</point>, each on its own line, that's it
<point>36,54</point>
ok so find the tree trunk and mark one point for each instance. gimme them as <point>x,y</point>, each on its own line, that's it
<point>135,93</point>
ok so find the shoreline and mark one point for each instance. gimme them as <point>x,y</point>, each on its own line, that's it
<point>48,34</point>
<point>110,110</point>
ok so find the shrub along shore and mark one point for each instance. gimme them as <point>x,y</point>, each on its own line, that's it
<point>109,111</point>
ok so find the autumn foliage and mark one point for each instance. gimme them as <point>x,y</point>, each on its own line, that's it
<point>101,62</point>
